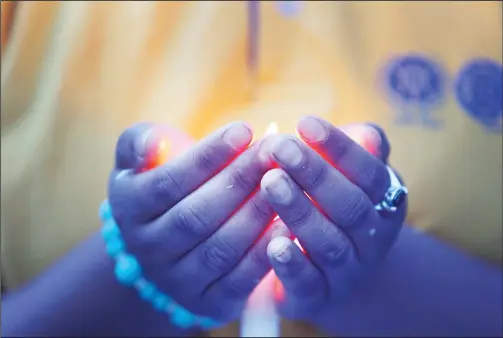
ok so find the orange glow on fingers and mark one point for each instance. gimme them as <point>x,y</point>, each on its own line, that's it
<point>279,290</point>
<point>159,155</point>
<point>367,137</point>
<point>162,152</point>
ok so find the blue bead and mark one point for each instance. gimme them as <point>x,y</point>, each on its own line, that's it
<point>115,246</point>
<point>110,230</point>
<point>105,211</point>
<point>182,318</point>
<point>127,269</point>
<point>160,301</point>
<point>147,291</point>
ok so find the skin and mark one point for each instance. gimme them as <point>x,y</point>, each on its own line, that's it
<point>343,236</point>
<point>198,224</point>
<point>343,285</point>
<point>201,228</point>
<point>195,231</point>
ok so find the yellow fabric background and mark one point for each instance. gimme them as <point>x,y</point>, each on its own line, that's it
<point>75,74</point>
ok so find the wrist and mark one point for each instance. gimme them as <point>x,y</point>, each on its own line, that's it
<point>79,296</point>
<point>128,272</point>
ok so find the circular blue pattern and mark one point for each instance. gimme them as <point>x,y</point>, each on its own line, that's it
<point>289,8</point>
<point>479,91</point>
<point>415,80</point>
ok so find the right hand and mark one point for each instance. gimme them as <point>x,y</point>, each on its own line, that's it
<point>193,222</point>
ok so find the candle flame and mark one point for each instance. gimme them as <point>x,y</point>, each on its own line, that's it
<point>272,128</point>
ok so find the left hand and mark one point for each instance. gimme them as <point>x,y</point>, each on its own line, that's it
<point>196,222</point>
<point>343,235</point>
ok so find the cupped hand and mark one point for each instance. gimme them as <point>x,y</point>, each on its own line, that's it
<point>325,190</point>
<point>198,223</point>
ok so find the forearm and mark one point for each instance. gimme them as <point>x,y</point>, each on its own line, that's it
<point>423,288</point>
<point>79,296</point>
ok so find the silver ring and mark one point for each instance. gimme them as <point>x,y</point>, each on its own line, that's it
<point>395,195</point>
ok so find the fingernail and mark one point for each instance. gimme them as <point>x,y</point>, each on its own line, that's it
<point>265,150</point>
<point>374,141</point>
<point>277,186</point>
<point>141,143</point>
<point>312,130</point>
<point>287,152</point>
<point>153,146</point>
<point>238,136</point>
<point>279,249</point>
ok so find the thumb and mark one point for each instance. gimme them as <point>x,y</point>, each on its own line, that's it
<point>147,145</point>
<point>371,137</point>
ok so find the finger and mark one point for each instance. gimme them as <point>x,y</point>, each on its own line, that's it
<point>325,243</point>
<point>130,151</point>
<point>344,203</point>
<point>303,284</point>
<point>381,140</point>
<point>233,289</point>
<point>141,197</point>
<point>225,248</point>
<point>371,137</point>
<point>200,214</point>
<point>357,164</point>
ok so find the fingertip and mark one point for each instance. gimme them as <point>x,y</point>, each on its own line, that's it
<point>367,136</point>
<point>384,146</point>
<point>276,187</point>
<point>131,146</point>
<point>266,147</point>
<point>312,129</point>
<point>279,249</point>
<point>238,135</point>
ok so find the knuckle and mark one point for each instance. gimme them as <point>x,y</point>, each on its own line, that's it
<point>339,150</point>
<point>167,187</point>
<point>354,211</point>
<point>261,208</point>
<point>298,217</point>
<point>191,223</point>
<point>317,176</point>
<point>259,258</point>
<point>220,255</point>
<point>238,288</point>
<point>336,251</point>
<point>206,159</point>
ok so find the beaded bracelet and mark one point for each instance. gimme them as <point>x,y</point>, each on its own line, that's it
<point>128,272</point>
